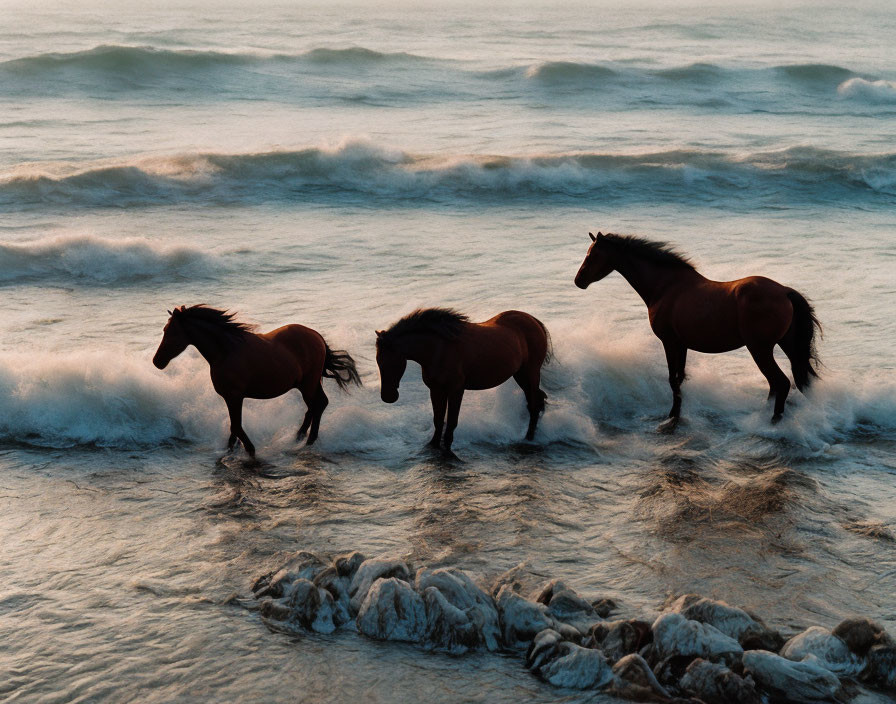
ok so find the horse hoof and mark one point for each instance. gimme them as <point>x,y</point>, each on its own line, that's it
<point>777,418</point>
<point>669,425</point>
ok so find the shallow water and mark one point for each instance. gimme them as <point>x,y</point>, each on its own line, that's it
<point>340,167</point>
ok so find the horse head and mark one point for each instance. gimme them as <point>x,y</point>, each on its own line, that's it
<point>597,263</point>
<point>392,365</point>
<point>174,339</point>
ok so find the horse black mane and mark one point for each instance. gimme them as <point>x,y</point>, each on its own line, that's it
<point>444,322</point>
<point>221,320</point>
<point>661,253</point>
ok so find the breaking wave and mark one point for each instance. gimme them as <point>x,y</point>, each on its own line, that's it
<point>93,259</point>
<point>115,59</point>
<point>607,398</point>
<point>883,92</point>
<point>363,170</point>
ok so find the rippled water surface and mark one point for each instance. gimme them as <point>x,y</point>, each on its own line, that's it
<point>341,166</point>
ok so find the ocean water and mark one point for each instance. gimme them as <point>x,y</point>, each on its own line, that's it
<point>339,165</point>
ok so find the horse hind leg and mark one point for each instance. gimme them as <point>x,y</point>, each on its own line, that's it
<point>320,404</point>
<point>535,398</point>
<point>778,382</point>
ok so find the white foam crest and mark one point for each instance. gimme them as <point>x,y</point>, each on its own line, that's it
<point>103,399</point>
<point>598,385</point>
<point>880,92</point>
<point>91,258</point>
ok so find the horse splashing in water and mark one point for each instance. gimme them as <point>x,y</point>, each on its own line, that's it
<point>245,364</point>
<point>689,312</point>
<point>456,355</point>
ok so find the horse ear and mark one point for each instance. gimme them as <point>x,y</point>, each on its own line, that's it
<point>379,334</point>
<point>170,313</point>
<point>600,234</point>
<point>593,238</point>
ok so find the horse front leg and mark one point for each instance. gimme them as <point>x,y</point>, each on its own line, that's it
<point>454,400</point>
<point>676,358</point>
<point>439,398</point>
<point>235,409</point>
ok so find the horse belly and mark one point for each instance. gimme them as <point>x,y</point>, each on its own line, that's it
<point>713,333</point>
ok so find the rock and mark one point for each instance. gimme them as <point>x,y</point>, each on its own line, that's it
<point>635,680</point>
<point>346,565</point>
<point>305,606</point>
<point>616,639</point>
<point>337,586</point>
<point>671,669</point>
<point>566,606</point>
<point>516,578</point>
<point>456,587</point>
<point>831,651</point>
<point>520,619</point>
<point>804,681</point>
<point>861,634</point>
<point>716,684</point>
<point>881,668</point>
<point>604,607</point>
<point>673,634</point>
<point>303,565</point>
<point>565,664</point>
<point>392,610</point>
<point>371,570</point>
<point>746,629</point>
<point>449,628</point>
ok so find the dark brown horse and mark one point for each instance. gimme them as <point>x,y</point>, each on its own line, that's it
<point>689,312</point>
<point>456,355</point>
<point>245,364</point>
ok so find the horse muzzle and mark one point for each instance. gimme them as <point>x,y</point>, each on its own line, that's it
<point>389,395</point>
<point>159,362</point>
<point>581,282</point>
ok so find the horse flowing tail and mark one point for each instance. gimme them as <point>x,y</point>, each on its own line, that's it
<point>339,366</point>
<point>803,329</point>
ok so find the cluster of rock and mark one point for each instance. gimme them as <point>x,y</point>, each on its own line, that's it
<point>697,650</point>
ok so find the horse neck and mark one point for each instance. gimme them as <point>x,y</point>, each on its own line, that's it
<point>650,280</point>
<point>212,344</point>
<point>420,347</point>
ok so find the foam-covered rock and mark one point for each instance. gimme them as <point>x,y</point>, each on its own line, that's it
<point>881,667</point>
<point>520,619</point>
<point>371,570</point>
<point>804,681</point>
<point>713,683</point>
<point>745,628</point>
<point>831,651</point>
<point>566,606</point>
<point>616,639</point>
<point>473,619</point>
<point>337,586</point>
<point>302,565</point>
<point>392,610</point>
<point>305,606</point>
<point>565,664</point>
<point>673,634</point>
<point>633,679</point>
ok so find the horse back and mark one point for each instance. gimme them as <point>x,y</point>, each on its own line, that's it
<point>532,334</point>
<point>304,344</point>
